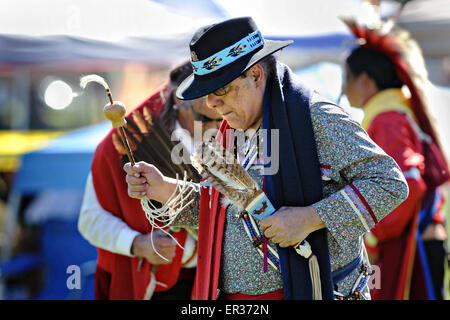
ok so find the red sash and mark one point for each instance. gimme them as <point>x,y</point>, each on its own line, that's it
<point>211,223</point>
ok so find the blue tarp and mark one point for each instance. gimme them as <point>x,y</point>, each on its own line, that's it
<point>64,163</point>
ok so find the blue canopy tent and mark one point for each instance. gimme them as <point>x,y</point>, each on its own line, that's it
<point>56,175</point>
<point>63,164</point>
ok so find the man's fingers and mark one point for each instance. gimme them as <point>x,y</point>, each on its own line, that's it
<point>159,260</point>
<point>167,253</point>
<point>162,239</point>
<point>162,246</point>
<point>285,244</point>
<point>128,168</point>
<point>162,261</point>
<point>136,195</point>
<point>269,232</point>
<point>138,188</point>
<point>164,243</point>
<point>277,239</point>
<point>272,219</point>
<point>143,167</point>
<point>272,234</point>
<point>266,222</point>
<point>135,181</point>
<point>139,168</point>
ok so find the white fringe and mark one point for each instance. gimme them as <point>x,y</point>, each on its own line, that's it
<point>314,272</point>
<point>304,249</point>
<point>162,218</point>
<point>152,286</point>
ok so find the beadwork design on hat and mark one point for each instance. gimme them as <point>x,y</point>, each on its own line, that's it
<point>223,51</point>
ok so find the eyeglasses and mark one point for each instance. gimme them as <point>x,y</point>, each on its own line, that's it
<point>222,91</point>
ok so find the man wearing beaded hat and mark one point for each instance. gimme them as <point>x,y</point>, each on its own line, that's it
<point>333,182</point>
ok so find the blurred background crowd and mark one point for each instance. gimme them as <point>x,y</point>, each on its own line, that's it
<point>50,127</point>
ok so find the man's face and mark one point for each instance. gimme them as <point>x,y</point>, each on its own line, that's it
<point>210,118</point>
<point>240,102</point>
<point>199,106</point>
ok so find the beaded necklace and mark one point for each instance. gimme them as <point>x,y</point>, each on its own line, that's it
<point>258,240</point>
<point>356,290</point>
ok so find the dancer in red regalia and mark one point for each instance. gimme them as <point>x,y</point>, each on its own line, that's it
<point>117,225</point>
<point>408,244</point>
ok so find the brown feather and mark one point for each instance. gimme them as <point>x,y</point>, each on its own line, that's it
<point>141,123</point>
<point>118,144</point>
<point>152,144</point>
<point>220,168</point>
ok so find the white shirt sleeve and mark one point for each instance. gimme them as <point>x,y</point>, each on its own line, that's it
<point>101,228</point>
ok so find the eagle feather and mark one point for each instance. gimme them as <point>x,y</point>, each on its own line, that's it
<point>220,168</point>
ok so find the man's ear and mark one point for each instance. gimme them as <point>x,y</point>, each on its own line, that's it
<point>367,83</point>
<point>256,73</point>
<point>366,80</point>
<point>363,78</point>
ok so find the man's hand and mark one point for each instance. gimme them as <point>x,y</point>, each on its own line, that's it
<point>144,179</point>
<point>142,247</point>
<point>291,225</point>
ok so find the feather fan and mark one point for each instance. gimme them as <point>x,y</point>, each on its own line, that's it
<point>219,167</point>
<point>151,142</point>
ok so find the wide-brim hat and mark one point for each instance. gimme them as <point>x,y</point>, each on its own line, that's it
<point>221,52</point>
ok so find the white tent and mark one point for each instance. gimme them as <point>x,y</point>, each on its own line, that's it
<point>158,32</point>
<point>429,23</point>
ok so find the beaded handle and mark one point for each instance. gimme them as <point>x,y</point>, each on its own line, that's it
<point>261,207</point>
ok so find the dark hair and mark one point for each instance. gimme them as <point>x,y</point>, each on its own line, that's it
<point>269,65</point>
<point>177,75</point>
<point>376,65</point>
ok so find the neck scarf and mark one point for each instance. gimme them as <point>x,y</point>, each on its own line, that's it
<point>298,180</point>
